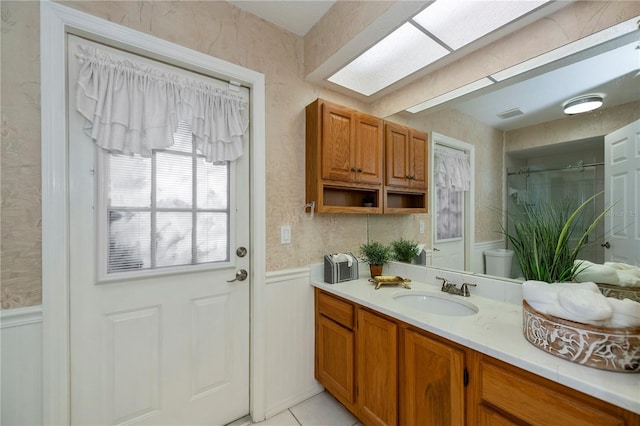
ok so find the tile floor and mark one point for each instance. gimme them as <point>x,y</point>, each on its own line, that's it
<point>319,410</point>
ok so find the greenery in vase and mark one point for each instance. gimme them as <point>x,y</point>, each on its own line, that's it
<point>542,239</point>
<point>375,253</point>
<point>404,250</point>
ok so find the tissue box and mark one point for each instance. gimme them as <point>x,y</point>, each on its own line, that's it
<point>339,271</point>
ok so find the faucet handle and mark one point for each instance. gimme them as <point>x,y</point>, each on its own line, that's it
<point>445,282</point>
<point>465,289</point>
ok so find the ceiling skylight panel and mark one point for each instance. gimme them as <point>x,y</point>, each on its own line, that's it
<point>398,55</point>
<point>459,22</point>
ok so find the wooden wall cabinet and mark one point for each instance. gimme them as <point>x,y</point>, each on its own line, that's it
<point>344,159</point>
<point>388,372</point>
<point>406,171</point>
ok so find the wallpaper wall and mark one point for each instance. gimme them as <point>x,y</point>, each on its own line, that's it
<point>223,31</point>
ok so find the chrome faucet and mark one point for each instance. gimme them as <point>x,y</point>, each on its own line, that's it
<point>449,287</point>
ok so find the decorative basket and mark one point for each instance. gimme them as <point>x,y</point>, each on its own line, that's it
<point>620,292</point>
<point>606,348</point>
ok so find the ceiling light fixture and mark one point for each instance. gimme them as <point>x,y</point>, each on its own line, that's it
<point>581,104</point>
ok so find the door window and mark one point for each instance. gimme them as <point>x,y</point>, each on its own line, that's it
<point>169,210</point>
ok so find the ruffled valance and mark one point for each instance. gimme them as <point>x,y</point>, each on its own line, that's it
<point>452,170</point>
<point>133,108</point>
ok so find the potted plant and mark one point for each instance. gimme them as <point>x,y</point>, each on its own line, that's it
<point>376,255</point>
<point>404,250</point>
<point>541,239</point>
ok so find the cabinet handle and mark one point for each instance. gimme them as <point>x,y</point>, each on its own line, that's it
<point>353,169</point>
<point>359,170</point>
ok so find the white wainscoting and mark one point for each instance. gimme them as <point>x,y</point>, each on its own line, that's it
<point>21,366</point>
<point>290,334</point>
<point>477,262</point>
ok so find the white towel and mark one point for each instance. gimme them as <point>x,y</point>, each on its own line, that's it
<point>597,273</point>
<point>584,305</point>
<point>558,311</point>
<point>626,313</point>
<point>627,278</point>
<point>540,295</point>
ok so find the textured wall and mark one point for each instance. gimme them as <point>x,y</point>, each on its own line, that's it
<point>597,123</point>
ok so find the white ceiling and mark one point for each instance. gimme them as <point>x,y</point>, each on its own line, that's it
<point>613,73</point>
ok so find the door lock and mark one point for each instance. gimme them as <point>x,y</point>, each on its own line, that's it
<point>241,275</point>
<point>606,245</point>
<point>241,252</point>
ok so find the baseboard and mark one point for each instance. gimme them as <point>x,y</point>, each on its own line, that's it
<point>290,402</point>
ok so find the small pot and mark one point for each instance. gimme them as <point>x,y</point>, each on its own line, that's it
<point>376,270</point>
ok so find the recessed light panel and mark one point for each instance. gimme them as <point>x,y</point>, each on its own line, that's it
<point>398,55</point>
<point>459,22</point>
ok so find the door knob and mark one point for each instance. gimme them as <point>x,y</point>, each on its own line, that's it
<point>241,275</point>
<point>606,245</point>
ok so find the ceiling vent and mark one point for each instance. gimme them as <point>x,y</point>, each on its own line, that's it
<point>510,113</point>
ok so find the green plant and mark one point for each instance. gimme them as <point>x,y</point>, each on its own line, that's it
<point>542,239</point>
<point>375,253</point>
<point>404,250</point>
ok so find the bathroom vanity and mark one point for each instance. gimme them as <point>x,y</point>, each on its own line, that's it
<point>391,362</point>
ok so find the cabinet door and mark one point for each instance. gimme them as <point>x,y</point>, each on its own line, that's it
<point>397,145</point>
<point>335,360</point>
<point>368,149</point>
<point>432,385</point>
<point>338,138</point>
<point>377,362</point>
<point>418,160</point>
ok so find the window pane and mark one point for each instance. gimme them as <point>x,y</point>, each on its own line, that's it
<point>129,181</point>
<point>212,185</point>
<point>174,180</point>
<point>212,234</point>
<point>129,246</point>
<point>173,238</point>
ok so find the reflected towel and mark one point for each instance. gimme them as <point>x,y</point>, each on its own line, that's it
<point>597,273</point>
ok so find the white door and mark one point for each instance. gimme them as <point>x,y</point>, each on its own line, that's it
<point>170,348</point>
<point>452,233</point>
<point>622,183</point>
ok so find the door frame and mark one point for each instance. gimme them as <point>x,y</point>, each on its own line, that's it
<point>469,196</point>
<point>55,22</point>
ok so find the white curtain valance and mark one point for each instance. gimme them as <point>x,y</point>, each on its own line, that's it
<point>133,108</point>
<point>452,170</point>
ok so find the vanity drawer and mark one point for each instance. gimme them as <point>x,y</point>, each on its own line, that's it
<point>537,401</point>
<point>339,310</point>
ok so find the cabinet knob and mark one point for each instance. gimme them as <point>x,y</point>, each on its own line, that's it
<point>353,169</point>
<point>359,170</point>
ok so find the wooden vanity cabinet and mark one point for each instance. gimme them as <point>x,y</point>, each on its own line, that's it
<point>377,365</point>
<point>433,380</point>
<point>406,174</point>
<point>335,347</point>
<point>501,394</point>
<point>344,150</point>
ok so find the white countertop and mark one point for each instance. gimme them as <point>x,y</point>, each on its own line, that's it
<point>496,330</point>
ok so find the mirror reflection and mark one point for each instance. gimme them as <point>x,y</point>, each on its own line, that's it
<point>524,151</point>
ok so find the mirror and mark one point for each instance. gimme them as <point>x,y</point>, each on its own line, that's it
<point>541,131</point>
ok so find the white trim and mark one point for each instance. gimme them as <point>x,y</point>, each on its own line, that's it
<point>20,316</point>
<point>274,277</point>
<point>484,245</point>
<point>55,21</point>
<point>469,199</point>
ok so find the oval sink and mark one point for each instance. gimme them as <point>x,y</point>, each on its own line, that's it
<point>436,304</point>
